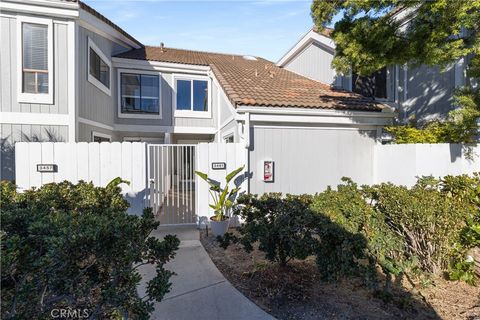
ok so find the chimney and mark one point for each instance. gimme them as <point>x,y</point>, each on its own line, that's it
<point>162,46</point>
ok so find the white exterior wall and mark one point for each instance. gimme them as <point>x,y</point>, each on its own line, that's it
<point>314,62</point>
<point>307,160</point>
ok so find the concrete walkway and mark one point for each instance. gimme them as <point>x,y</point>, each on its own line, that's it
<point>199,291</point>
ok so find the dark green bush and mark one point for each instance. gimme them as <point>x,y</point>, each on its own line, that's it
<point>283,226</point>
<point>425,217</point>
<point>75,247</point>
<point>353,235</point>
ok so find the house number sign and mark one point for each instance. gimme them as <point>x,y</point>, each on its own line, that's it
<point>219,166</point>
<point>47,168</point>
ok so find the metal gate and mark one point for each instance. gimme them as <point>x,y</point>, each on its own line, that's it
<point>172,182</point>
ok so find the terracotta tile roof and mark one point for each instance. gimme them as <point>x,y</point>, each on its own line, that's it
<point>100,16</point>
<point>259,82</point>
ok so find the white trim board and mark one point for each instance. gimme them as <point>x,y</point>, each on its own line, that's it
<point>72,40</point>
<point>49,119</point>
<point>161,66</point>
<point>95,124</point>
<point>194,130</point>
<point>57,9</point>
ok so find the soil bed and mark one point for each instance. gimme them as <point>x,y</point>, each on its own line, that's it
<point>296,292</point>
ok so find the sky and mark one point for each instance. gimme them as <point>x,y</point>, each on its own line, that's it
<point>264,28</point>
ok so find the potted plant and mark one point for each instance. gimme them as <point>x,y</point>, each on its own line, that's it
<point>223,201</point>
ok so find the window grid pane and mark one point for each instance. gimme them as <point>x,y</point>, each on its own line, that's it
<point>35,58</point>
<point>99,69</point>
<point>140,93</point>
<point>184,95</point>
<point>200,95</point>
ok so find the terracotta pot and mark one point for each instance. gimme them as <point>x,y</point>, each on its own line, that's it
<point>219,228</point>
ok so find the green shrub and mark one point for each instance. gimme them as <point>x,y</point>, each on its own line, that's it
<point>352,234</point>
<point>283,226</point>
<point>428,221</point>
<point>75,247</point>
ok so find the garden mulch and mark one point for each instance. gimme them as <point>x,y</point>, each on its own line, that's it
<point>296,292</point>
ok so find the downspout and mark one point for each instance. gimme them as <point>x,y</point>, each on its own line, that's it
<point>246,133</point>
<point>246,130</point>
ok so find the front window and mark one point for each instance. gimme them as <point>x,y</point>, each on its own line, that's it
<point>35,58</point>
<point>374,86</point>
<point>99,68</point>
<point>139,93</point>
<point>192,95</point>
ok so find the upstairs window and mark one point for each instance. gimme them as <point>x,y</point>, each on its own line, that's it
<point>374,86</point>
<point>35,39</point>
<point>139,95</point>
<point>99,67</point>
<point>192,97</point>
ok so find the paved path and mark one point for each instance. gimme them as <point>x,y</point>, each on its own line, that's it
<point>199,290</point>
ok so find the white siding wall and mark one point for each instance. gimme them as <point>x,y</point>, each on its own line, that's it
<point>314,62</point>
<point>9,57</point>
<point>307,160</point>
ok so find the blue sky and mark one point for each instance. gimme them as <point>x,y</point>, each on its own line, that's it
<point>265,28</point>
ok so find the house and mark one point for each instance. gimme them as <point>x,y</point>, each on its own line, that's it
<point>421,93</point>
<point>70,74</point>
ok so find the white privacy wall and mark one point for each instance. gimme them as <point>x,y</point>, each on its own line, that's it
<point>96,162</point>
<point>402,163</point>
<point>234,155</point>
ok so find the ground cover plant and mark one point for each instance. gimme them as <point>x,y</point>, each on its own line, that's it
<point>73,247</point>
<point>399,245</point>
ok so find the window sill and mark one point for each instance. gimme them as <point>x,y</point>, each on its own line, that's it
<point>40,98</point>
<point>192,114</point>
<point>140,115</point>
<point>99,85</point>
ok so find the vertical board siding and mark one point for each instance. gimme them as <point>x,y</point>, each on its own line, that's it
<point>314,62</point>
<point>8,67</point>
<point>95,162</point>
<point>308,160</point>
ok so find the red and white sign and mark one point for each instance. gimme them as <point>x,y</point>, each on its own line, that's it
<point>267,171</point>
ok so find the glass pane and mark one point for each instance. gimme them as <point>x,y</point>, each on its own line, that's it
<point>150,105</point>
<point>104,74</point>
<point>99,69</point>
<point>35,46</point>
<point>130,104</point>
<point>42,82</point>
<point>200,95</point>
<point>150,86</point>
<point>130,85</point>
<point>184,98</point>
<point>29,82</point>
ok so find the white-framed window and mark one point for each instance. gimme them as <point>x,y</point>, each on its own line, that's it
<point>229,136</point>
<point>192,96</point>
<point>140,94</point>
<point>101,137</point>
<point>99,68</point>
<point>35,60</point>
